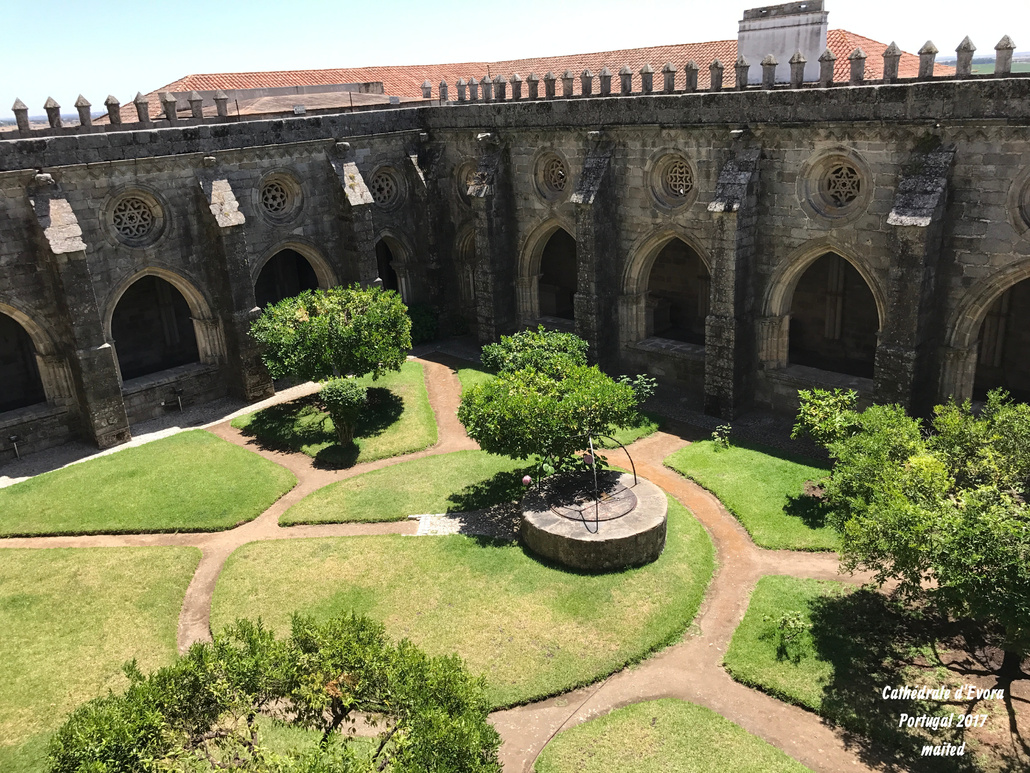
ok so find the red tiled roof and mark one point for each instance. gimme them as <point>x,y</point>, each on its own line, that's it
<point>842,43</point>
<point>406,80</point>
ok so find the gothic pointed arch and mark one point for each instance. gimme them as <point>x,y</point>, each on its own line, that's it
<point>666,287</point>
<point>988,339</point>
<point>546,278</point>
<point>289,268</point>
<point>21,384</point>
<point>824,308</point>
<point>156,319</point>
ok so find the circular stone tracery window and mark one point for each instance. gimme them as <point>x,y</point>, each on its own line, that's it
<point>673,181</point>
<point>385,188</point>
<point>133,219</point>
<point>842,185</point>
<point>552,175</point>
<point>279,197</point>
<point>275,198</point>
<point>835,186</point>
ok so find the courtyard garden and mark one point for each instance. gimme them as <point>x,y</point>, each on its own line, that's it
<point>832,648</point>
<point>774,495</point>
<point>662,736</point>
<point>530,628</point>
<point>398,420</point>
<point>457,482</point>
<point>70,619</point>
<point>192,481</point>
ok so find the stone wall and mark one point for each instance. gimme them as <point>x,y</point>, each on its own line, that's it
<point>922,187</point>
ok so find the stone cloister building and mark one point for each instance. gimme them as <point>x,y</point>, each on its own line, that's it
<point>739,242</point>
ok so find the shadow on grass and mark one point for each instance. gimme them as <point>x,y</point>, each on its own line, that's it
<point>502,488</point>
<point>811,510</point>
<point>872,644</point>
<point>301,423</point>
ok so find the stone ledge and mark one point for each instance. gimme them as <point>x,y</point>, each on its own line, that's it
<point>805,377</point>
<point>671,348</point>
<point>30,413</point>
<point>165,377</point>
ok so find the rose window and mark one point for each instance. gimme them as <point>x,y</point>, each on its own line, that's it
<point>275,198</point>
<point>553,174</point>
<point>678,180</point>
<point>133,218</point>
<point>384,189</point>
<point>843,185</point>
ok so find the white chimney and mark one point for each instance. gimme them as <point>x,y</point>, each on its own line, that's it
<point>781,30</point>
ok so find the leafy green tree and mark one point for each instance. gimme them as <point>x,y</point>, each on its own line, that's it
<point>548,351</point>
<point>529,412</point>
<point>342,331</point>
<point>942,512</point>
<point>202,713</point>
<point>826,415</point>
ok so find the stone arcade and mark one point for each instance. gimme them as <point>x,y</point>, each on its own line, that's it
<point>740,237</point>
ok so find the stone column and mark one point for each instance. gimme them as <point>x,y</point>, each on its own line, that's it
<point>230,268</point>
<point>730,357</point>
<point>356,223</point>
<point>773,341</point>
<point>494,208</point>
<point>908,340</point>
<point>958,371</point>
<point>596,254</point>
<point>94,369</point>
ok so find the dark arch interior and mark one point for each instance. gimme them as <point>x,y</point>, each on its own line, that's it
<point>285,275</point>
<point>152,329</point>
<point>384,257</point>
<point>20,385</point>
<point>677,294</point>
<point>833,319</point>
<point>558,276</point>
<point>1004,344</point>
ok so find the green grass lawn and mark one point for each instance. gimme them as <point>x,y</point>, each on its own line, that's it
<point>458,482</point>
<point>472,375</point>
<point>663,736</point>
<point>531,629</point>
<point>764,489</point>
<point>70,618</point>
<point>399,420</point>
<point>851,645</point>
<point>192,481</point>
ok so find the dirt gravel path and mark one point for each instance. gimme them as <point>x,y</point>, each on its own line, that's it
<point>690,670</point>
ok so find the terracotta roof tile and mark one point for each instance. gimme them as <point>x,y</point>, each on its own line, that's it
<point>406,80</point>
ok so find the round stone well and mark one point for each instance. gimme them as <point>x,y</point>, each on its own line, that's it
<point>563,521</point>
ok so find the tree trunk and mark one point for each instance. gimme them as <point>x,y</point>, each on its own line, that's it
<point>344,433</point>
<point>1011,666</point>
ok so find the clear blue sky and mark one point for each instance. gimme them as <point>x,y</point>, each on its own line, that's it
<point>60,48</point>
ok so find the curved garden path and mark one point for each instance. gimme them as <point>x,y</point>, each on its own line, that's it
<point>690,670</point>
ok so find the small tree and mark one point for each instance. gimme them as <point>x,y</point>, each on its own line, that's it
<point>202,713</point>
<point>945,514</point>
<point>545,350</point>
<point>326,334</point>
<point>342,331</point>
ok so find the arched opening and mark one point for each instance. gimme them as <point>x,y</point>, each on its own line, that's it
<point>558,276</point>
<point>20,384</point>
<point>286,274</point>
<point>152,328</point>
<point>678,290</point>
<point>384,262</point>
<point>1003,345</point>
<point>833,319</point>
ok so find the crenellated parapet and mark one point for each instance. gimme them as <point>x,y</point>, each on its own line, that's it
<point>195,108</point>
